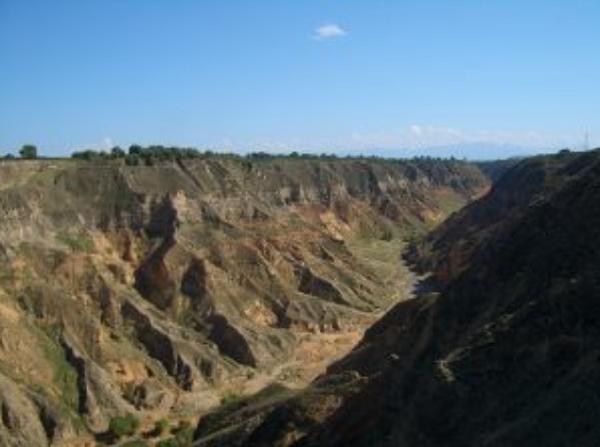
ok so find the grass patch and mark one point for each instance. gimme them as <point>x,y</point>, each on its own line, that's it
<point>77,242</point>
<point>135,443</point>
<point>121,426</point>
<point>160,427</point>
<point>231,399</point>
<point>235,408</point>
<point>183,436</point>
<point>65,377</point>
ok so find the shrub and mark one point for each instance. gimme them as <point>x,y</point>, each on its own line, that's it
<point>78,242</point>
<point>135,149</point>
<point>172,442</point>
<point>231,398</point>
<point>183,425</point>
<point>135,443</point>
<point>178,440</point>
<point>160,427</point>
<point>121,426</point>
<point>184,436</point>
<point>117,152</point>
<point>387,235</point>
<point>89,155</point>
<point>28,151</point>
<point>132,160</point>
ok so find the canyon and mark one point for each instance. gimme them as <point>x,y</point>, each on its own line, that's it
<point>500,347</point>
<point>174,290</point>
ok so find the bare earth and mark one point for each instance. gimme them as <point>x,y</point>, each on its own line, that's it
<point>317,350</point>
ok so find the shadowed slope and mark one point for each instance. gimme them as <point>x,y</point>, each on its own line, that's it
<point>506,354</point>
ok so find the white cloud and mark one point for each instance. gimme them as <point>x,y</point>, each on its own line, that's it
<point>107,142</point>
<point>415,129</point>
<point>329,31</point>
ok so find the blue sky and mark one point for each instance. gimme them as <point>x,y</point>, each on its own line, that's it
<point>476,78</point>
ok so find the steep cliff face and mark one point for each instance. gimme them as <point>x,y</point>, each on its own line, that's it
<point>505,354</point>
<point>452,247</point>
<point>495,169</point>
<point>151,289</point>
<point>508,353</point>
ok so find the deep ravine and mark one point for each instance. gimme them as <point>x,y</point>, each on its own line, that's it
<point>162,291</point>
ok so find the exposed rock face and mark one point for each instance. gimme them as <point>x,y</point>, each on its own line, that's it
<point>313,285</point>
<point>145,289</point>
<point>21,424</point>
<point>506,354</point>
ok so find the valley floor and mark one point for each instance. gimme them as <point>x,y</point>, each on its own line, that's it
<point>317,350</point>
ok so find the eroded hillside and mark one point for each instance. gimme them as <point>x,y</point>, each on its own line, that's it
<point>505,354</point>
<point>160,290</point>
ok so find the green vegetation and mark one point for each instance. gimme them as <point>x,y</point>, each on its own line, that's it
<point>235,409</point>
<point>138,154</point>
<point>231,399</point>
<point>79,242</point>
<point>167,443</point>
<point>150,155</point>
<point>65,376</point>
<point>387,235</point>
<point>117,152</point>
<point>132,160</point>
<point>121,426</point>
<point>7,273</point>
<point>160,427</point>
<point>135,443</point>
<point>28,151</point>
<point>183,436</point>
<point>171,442</point>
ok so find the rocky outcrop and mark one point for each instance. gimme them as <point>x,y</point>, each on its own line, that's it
<point>159,346</point>
<point>153,279</point>
<point>231,341</point>
<point>319,287</point>
<point>20,423</point>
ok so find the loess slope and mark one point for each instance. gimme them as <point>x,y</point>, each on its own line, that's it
<point>507,353</point>
<point>154,290</point>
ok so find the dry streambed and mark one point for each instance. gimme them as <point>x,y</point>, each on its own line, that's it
<point>292,383</point>
<point>315,351</point>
